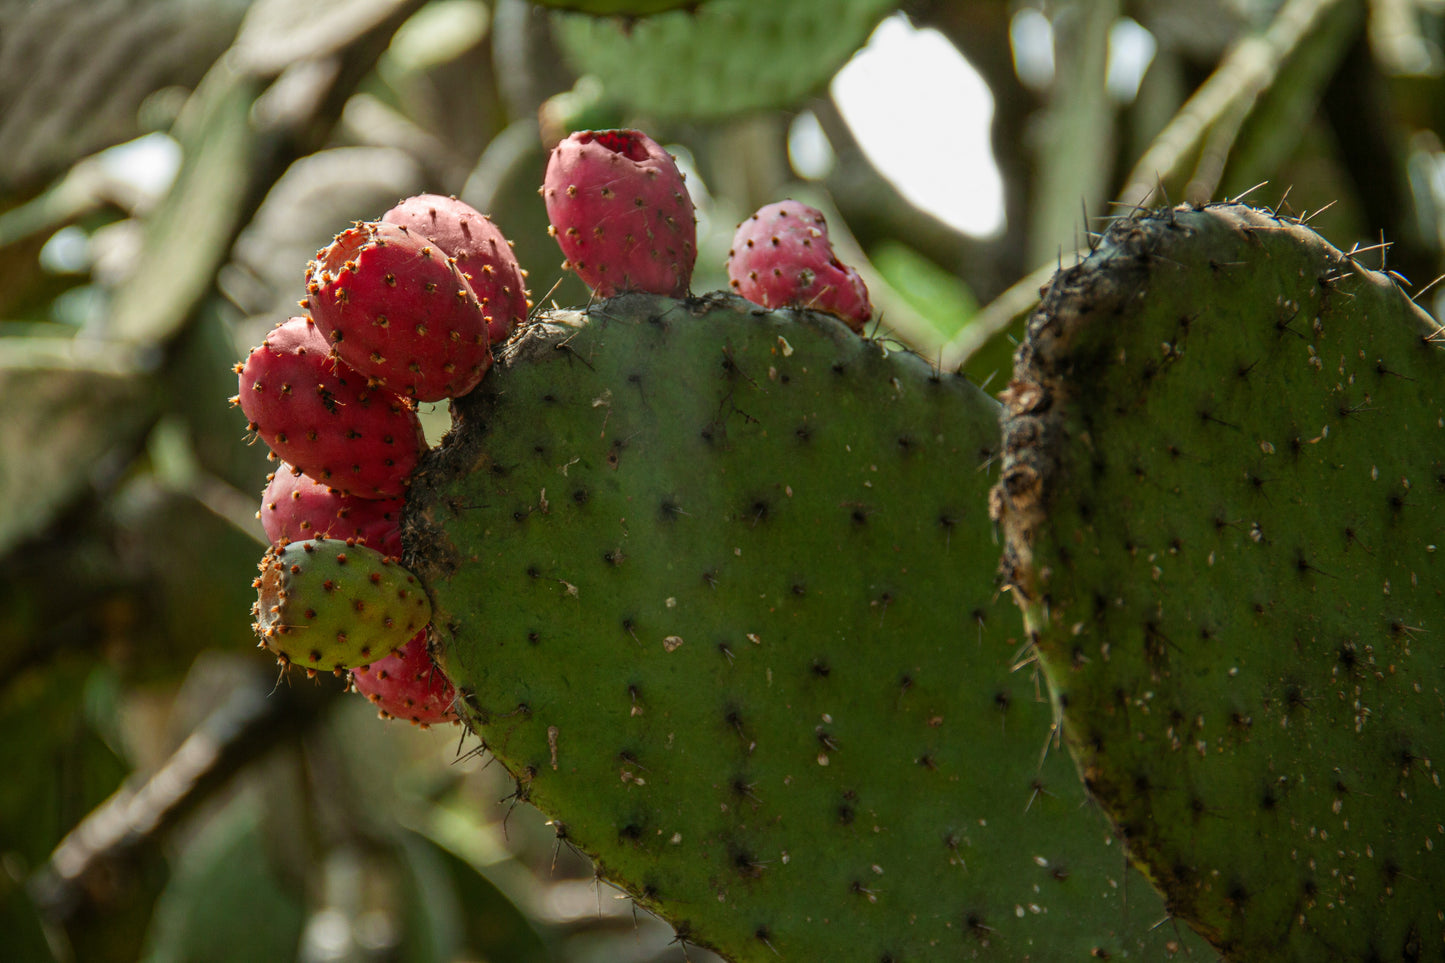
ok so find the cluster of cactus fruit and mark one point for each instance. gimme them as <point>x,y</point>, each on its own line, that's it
<point>409,308</point>
<point>399,310</point>
<point>715,577</point>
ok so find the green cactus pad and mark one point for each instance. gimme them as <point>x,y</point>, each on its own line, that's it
<point>1223,492</point>
<point>716,586</point>
<point>326,605</point>
<point>727,57</point>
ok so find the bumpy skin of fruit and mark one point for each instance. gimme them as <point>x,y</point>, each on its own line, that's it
<point>318,414</point>
<point>408,685</point>
<point>621,214</point>
<point>326,604</point>
<point>781,257</point>
<point>396,308</point>
<point>295,507</point>
<point>481,251</point>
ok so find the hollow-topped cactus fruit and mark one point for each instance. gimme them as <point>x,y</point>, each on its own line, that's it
<point>621,213</point>
<point>395,307</point>
<point>328,605</point>
<point>322,417</point>
<point>481,252</point>
<point>407,685</point>
<point>781,257</point>
<point>295,507</point>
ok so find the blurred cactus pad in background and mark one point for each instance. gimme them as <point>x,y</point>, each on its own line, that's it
<point>1045,567</point>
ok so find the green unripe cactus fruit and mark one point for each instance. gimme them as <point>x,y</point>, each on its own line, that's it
<point>715,584</point>
<point>1223,491</point>
<point>328,605</point>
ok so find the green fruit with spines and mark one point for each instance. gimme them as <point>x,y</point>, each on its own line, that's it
<point>715,584</point>
<point>1223,488</point>
<point>328,605</point>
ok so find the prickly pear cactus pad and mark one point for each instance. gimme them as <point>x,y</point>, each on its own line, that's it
<point>1222,494</point>
<point>724,58</point>
<point>716,585</point>
<point>618,8</point>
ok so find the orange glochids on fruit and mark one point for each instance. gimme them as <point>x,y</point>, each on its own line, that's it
<point>328,604</point>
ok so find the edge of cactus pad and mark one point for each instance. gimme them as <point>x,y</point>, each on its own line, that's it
<point>1222,495</point>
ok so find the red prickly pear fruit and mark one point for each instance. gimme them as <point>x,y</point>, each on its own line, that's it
<point>328,605</point>
<point>408,685</point>
<point>621,213</point>
<point>482,253</point>
<point>781,257</point>
<point>295,507</point>
<point>396,308</point>
<point>320,415</point>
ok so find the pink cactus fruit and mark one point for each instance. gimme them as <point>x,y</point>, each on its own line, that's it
<point>481,251</point>
<point>396,308</point>
<point>295,507</point>
<point>321,416</point>
<point>621,213</point>
<point>781,257</point>
<point>408,685</point>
